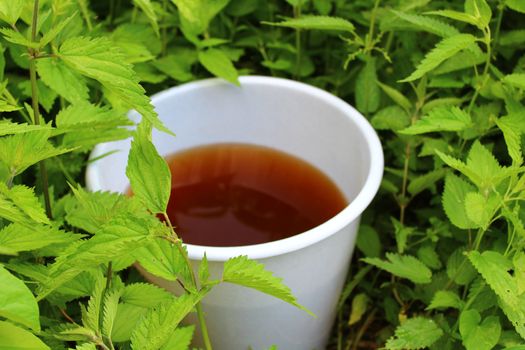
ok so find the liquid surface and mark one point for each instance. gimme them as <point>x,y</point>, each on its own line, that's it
<point>240,194</point>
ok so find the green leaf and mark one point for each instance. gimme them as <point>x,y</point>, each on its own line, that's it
<point>401,232</point>
<point>477,336</point>
<point>19,204</point>
<point>481,161</point>
<point>177,66</point>
<point>516,5</point>
<point>147,7</point>
<point>519,270</point>
<point>449,118</point>
<point>443,50</point>
<point>427,254</point>
<point>368,241</point>
<point>480,10</point>
<point>11,10</point>
<point>423,182</point>
<point>46,96</point>
<point>414,333</point>
<point>18,237</point>
<point>512,128</point>
<point>428,24</point>
<point>196,15</point>
<point>148,173</point>
<point>144,295</point>
<point>17,38</point>
<point>517,80</point>
<point>7,127</point>
<point>396,96</point>
<point>91,316</point>
<point>16,338</point>
<point>404,266</point>
<point>82,116</point>
<point>367,95</point>
<point>158,326</point>
<point>444,299</point>
<point>249,273</point>
<point>459,268</point>
<point>17,303</point>
<point>359,305</point>
<point>512,37</point>
<point>86,346</point>
<point>458,16</point>
<point>53,32</point>
<point>219,64</point>
<point>453,201</point>
<point>479,209</point>
<point>317,23</point>
<point>110,312</point>
<point>21,151</point>
<point>180,339</point>
<point>390,118</point>
<point>64,81</point>
<point>204,272</point>
<point>99,59</point>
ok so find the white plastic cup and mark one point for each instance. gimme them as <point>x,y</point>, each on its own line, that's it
<point>295,118</point>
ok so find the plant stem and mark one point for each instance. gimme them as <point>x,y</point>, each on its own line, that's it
<point>484,75</point>
<point>198,307</point>
<point>33,54</point>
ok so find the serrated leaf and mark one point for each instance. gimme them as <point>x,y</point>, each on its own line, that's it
<point>148,173</point>
<point>219,64</point>
<point>512,37</point>
<point>249,273</point>
<point>443,50</point>
<point>512,131</point>
<point>144,295</point>
<point>19,204</point>
<point>82,116</point>
<point>516,5</point>
<point>53,32</point>
<point>316,23</point>
<point>453,201</point>
<point>481,161</point>
<point>423,182</point>
<point>404,266</point>
<point>177,66</point>
<point>459,268</point>
<point>401,233</point>
<point>516,80</point>
<point>111,301</point>
<point>390,118</point>
<point>11,10</point>
<point>204,272</point>
<point>86,346</point>
<point>157,327</point>
<point>147,7</point>
<point>479,209</point>
<point>396,96</point>
<point>445,299</point>
<point>458,16</point>
<point>180,339</point>
<point>99,59</point>
<point>17,303</point>
<point>92,316</point>
<point>477,336</point>
<point>359,305</point>
<point>7,127</point>
<point>17,38</point>
<point>64,81</point>
<point>519,270</point>
<point>428,24</point>
<point>414,333</point>
<point>368,241</point>
<point>16,338</point>
<point>480,10</point>
<point>17,237</point>
<point>20,151</point>
<point>367,95</point>
<point>427,254</point>
<point>46,96</point>
<point>196,15</point>
<point>449,118</point>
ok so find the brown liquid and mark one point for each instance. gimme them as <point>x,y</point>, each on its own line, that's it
<point>241,194</point>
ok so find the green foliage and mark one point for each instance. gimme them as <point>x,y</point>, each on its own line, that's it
<point>14,337</point>
<point>415,333</point>
<point>404,266</point>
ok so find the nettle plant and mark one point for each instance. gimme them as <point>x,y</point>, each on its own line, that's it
<point>440,262</point>
<point>57,249</point>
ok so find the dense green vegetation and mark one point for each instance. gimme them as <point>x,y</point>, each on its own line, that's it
<point>440,260</point>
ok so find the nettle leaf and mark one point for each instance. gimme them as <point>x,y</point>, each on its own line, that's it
<point>404,266</point>
<point>18,237</point>
<point>196,15</point>
<point>177,66</point>
<point>367,94</point>
<point>390,118</point>
<point>19,204</point>
<point>46,96</point>
<point>396,96</point>
<point>359,305</point>
<point>111,301</point>
<point>13,337</point>
<point>478,336</point>
<point>180,339</point>
<point>512,127</point>
<point>84,115</point>
<point>453,201</point>
<point>91,315</point>
<point>427,254</point>
<point>17,303</point>
<point>512,37</point>
<point>449,118</point>
<point>148,173</point>
<point>63,80</point>
<point>20,151</point>
<point>8,127</point>
<point>368,241</point>
<point>481,161</point>
<point>459,269</point>
<point>494,268</point>
<point>99,59</point>
<point>144,295</point>
<point>249,273</point>
<point>414,333</point>
<point>316,23</point>
<point>147,7</point>
<point>428,24</point>
<point>219,64</point>
<point>86,346</point>
<point>480,209</point>
<point>401,233</point>
<point>443,50</point>
<point>458,16</point>
<point>517,80</point>
<point>55,30</point>
<point>157,327</point>
<point>426,181</point>
<point>516,5</point>
<point>11,10</point>
<point>445,299</point>
<point>17,38</point>
<point>480,10</point>
<point>519,271</point>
